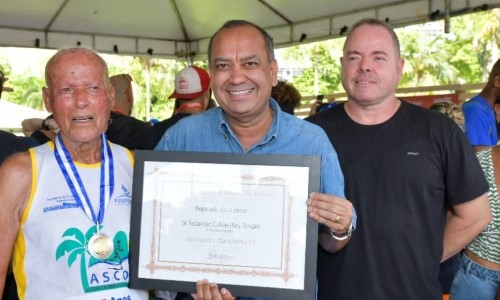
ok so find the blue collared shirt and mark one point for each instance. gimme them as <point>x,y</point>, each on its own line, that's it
<point>210,131</point>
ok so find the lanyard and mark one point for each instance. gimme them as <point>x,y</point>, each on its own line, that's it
<point>75,183</point>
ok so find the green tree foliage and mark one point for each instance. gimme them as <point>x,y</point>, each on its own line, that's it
<point>27,91</point>
<point>482,32</point>
<point>160,74</point>
<point>431,57</point>
<point>26,83</point>
<point>465,55</point>
<point>424,57</point>
<point>322,74</point>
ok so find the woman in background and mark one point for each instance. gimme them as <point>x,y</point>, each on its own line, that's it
<point>479,273</point>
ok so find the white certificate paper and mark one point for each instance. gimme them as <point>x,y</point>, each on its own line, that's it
<point>234,224</point>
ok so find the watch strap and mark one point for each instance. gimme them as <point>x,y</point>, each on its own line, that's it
<point>344,236</point>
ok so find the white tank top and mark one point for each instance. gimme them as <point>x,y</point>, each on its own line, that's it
<point>50,259</point>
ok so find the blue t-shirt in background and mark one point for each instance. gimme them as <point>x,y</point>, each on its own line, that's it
<point>480,122</point>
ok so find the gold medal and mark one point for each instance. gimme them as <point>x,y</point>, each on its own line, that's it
<point>100,246</point>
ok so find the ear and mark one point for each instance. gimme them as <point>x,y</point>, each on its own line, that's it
<point>496,81</point>
<point>274,72</point>
<point>112,95</point>
<point>401,64</point>
<point>496,108</point>
<point>46,99</point>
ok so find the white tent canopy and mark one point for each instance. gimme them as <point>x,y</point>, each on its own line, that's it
<point>181,28</point>
<point>11,114</point>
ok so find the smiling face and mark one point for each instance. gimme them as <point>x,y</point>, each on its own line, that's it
<point>79,95</point>
<point>242,75</point>
<point>371,66</point>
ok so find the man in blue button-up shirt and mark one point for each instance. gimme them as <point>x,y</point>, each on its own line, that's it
<point>243,71</point>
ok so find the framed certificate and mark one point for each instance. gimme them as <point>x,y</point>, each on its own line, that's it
<point>239,220</point>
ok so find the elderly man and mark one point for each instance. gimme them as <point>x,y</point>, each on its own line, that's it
<point>64,210</point>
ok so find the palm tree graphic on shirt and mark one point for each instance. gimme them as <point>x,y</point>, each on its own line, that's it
<point>75,244</point>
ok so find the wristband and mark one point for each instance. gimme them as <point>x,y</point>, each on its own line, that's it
<point>44,122</point>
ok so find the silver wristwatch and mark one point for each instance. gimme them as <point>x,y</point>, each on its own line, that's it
<point>344,236</point>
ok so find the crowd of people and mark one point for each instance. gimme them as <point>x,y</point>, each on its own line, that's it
<point>402,188</point>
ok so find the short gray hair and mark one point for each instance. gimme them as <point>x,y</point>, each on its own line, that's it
<point>377,22</point>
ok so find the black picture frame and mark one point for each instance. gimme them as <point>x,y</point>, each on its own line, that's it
<point>312,184</point>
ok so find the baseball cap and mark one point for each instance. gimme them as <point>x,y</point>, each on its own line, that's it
<point>191,82</point>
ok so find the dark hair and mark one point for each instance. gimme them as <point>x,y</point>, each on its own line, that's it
<point>495,71</point>
<point>287,96</point>
<point>451,110</point>
<point>377,22</point>
<point>268,40</point>
<point>2,80</point>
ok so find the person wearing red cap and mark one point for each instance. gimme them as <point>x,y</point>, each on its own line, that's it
<point>192,94</point>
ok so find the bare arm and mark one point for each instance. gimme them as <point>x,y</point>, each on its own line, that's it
<point>15,188</point>
<point>466,221</point>
<point>336,214</point>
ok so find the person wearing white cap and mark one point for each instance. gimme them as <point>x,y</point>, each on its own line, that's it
<point>192,94</point>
